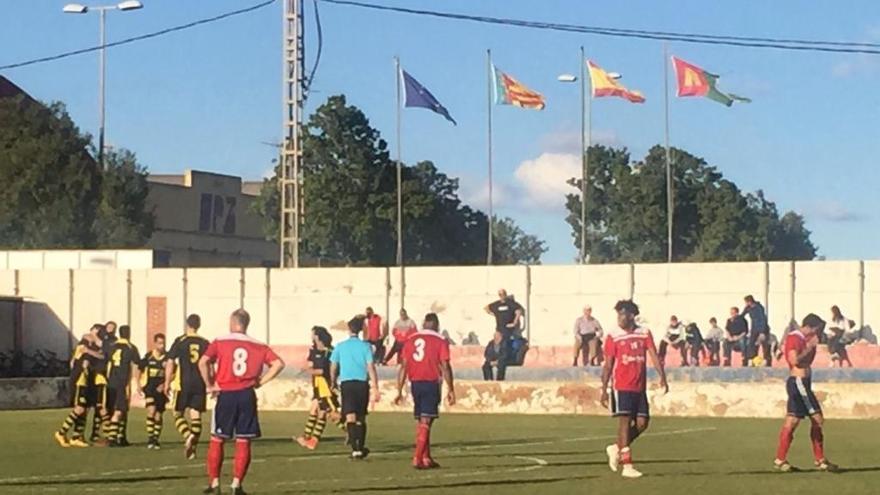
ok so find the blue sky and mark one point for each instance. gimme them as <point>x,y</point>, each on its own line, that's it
<point>208,97</point>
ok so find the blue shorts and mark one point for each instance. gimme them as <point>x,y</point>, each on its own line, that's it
<point>801,400</point>
<point>630,404</point>
<point>235,415</point>
<point>426,398</point>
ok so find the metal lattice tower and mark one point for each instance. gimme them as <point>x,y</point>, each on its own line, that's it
<point>290,179</point>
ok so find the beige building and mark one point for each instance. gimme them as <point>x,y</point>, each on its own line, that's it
<point>203,219</point>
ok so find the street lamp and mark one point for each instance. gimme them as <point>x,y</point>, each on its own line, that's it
<point>76,8</point>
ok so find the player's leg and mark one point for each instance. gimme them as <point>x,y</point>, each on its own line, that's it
<point>623,422</point>
<point>247,428</point>
<point>593,351</point>
<point>223,426</point>
<point>796,410</point>
<point>180,415</point>
<point>150,421</point>
<point>487,371</point>
<point>429,412</point>
<point>197,407</point>
<point>309,429</point>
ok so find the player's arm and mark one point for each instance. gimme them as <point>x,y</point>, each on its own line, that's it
<point>446,371</point>
<point>170,365</point>
<point>799,357</point>
<point>374,381</point>
<point>205,370</point>
<point>401,381</point>
<point>517,316</point>
<point>607,367</point>
<point>275,367</point>
<point>655,361</point>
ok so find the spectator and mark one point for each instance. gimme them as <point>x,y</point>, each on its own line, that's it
<point>675,338</point>
<point>758,330</point>
<point>497,356</point>
<point>471,339</point>
<point>587,332</point>
<point>447,337</point>
<point>737,331</point>
<point>714,336</point>
<point>838,326</point>
<point>376,333</point>
<point>508,315</point>
<point>693,344</point>
<point>403,329</point>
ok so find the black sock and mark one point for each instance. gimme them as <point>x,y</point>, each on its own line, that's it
<point>157,428</point>
<point>79,427</point>
<point>353,430</point>
<point>363,433</point>
<point>97,426</point>
<point>318,429</point>
<point>310,425</point>
<point>196,427</point>
<point>151,429</point>
<point>182,426</point>
<point>71,420</point>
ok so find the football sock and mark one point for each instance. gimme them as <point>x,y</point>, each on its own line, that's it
<point>68,423</point>
<point>422,430</point>
<point>106,425</point>
<point>151,428</point>
<point>214,462</point>
<point>123,427</point>
<point>112,431</point>
<point>157,427</point>
<point>196,427</point>
<point>626,456</point>
<point>242,460</point>
<point>428,444</point>
<point>318,429</point>
<point>818,440</point>
<point>181,425</point>
<point>310,425</point>
<point>96,426</point>
<point>363,434</point>
<point>79,427</point>
<point>786,435</point>
<point>354,436</point>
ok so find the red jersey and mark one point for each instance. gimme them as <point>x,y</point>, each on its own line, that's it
<point>630,351</point>
<point>797,342</point>
<point>403,330</point>
<point>374,327</point>
<point>423,353</point>
<point>238,360</point>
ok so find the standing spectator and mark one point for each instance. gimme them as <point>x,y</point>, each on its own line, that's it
<point>693,343</point>
<point>497,355</point>
<point>675,338</point>
<point>838,326</point>
<point>758,331</point>
<point>737,331</point>
<point>403,329</point>
<point>508,315</point>
<point>587,332</point>
<point>376,332</point>
<point>713,339</point>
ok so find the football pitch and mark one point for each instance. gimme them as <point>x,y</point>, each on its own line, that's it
<point>480,454</point>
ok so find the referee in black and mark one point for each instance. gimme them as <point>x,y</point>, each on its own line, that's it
<point>352,364</point>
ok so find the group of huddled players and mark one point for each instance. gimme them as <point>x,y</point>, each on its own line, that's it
<point>232,366</point>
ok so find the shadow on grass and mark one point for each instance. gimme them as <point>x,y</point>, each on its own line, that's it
<point>462,484</point>
<point>863,469</point>
<point>94,481</point>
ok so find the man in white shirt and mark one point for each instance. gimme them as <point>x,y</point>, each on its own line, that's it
<point>674,338</point>
<point>587,335</point>
<point>713,339</point>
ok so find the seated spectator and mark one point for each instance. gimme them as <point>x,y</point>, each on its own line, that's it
<point>403,329</point>
<point>496,355</point>
<point>471,339</point>
<point>674,338</point>
<point>736,335</point>
<point>587,332</point>
<point>713,339</point>
<point>839,326</point>
<point>693,344</point>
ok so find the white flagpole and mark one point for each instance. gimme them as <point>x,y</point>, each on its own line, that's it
<point>670,203</point>
<point>489,102</point>
<point>586,144</point>
<point>398,78</point>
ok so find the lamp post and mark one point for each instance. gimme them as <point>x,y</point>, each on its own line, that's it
<point>76,8</point>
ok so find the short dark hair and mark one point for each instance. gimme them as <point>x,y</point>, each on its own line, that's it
<point>356,324</point>
<point>194,321</point>
<point>627,305</point>
<point>323,335</point>
<point>433,318</point>
<point>749,299</point>
<point>244,319</point>
<point>111,322</point>
<point>813,320</point>
<point>158,336</point>
<point>125,332</point>
<point>713,320</point>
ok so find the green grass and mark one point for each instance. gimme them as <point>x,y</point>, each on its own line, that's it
<point>480,454</point>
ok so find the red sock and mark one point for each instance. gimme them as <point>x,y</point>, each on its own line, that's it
<point>421,442</point>
<point>626,456</point>
<point>242,458</point>
<point>818,440</point>
<point>215,459</point>
<point>427,454</point>
<point>785,438</point>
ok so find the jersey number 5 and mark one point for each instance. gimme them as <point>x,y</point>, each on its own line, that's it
<point>239,361</point>
<point>419,355</point>
<point>194,353</point>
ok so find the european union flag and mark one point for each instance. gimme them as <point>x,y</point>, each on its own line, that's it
<point>417,95</point>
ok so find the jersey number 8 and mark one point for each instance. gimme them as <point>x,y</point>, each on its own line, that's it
<point>239,361</point>
<point>419,355</point>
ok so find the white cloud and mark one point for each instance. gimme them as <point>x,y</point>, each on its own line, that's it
<point>569,141</point>
<point>544,179</point>
<point>832,211</point>
<point>476,194</point>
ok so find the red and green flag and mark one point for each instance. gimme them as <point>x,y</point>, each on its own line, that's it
<point>694,81</point>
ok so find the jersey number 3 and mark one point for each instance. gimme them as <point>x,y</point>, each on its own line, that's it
<point>419,355</point>
<point>239,361</point>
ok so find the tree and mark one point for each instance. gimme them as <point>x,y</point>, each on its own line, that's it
<point>350,191</point>
<point>511,246</point>
<point>54,194</point>
<point>713,219</point>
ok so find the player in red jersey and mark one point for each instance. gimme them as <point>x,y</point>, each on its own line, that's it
<point>425,360</point>
<point>237,370</point>
<point>626,351</point>
<point>800,349</point>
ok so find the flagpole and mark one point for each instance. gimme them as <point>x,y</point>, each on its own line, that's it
<point>489,113</point>
<point>586,144</point>
<point>399,180</point>
<point>670,203</point>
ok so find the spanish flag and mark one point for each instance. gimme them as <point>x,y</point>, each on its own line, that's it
<point>604,85</point>
<point>509,91</point>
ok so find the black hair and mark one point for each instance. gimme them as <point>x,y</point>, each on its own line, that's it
<point>749,299</point>
<point>244,319</point>
<point>356,324</point>
<point>323,336</point>
<point>194,321</point>
<point>158,336</point>
<point>111,322</point>
<point>713,320</point>
<point>627,305</point>
<point>102,332</point>
<point>432,317</point>
<point>125,332</point>
<point>835,311</point>
<point>812,320</point>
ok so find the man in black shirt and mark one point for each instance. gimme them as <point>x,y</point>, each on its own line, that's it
<point>88,346</point>
<point>152,384</point>
<point>325,401</point>
<point>508,315</point>
<point>121,366</point>
<point>188,387</point>
<point>736,333</point>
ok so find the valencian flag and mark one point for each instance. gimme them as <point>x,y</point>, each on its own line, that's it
<point>604,85</point>
<point>417,95</point>
<point>694,81</point>
<point>509,91</point>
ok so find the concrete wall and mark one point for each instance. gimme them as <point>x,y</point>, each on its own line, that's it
<point>123,259</point>
<point>284,304</point>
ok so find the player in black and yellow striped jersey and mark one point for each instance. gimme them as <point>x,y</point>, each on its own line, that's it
<point>152,387</point>
<point>122,365</point>
<point>88,346</point>
<point>187,386</point>
<point>325,401</point>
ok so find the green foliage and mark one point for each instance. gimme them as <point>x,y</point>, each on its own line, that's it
<point>350,192</point>
<point>123,220</point>
<point>713,219</point>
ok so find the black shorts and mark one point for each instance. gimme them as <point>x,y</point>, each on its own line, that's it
<point>426,399</point>
<point>586,338</point>
<point>802,401</point>
<point>117,399</point>
<point>355,398</point>
<point>154,398</point>
<point>630,404</point>
<point>79,395</point>
<point>327,403</point>
<point>97,396</point>
<point>184,400</point>
<point>235,415</point>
